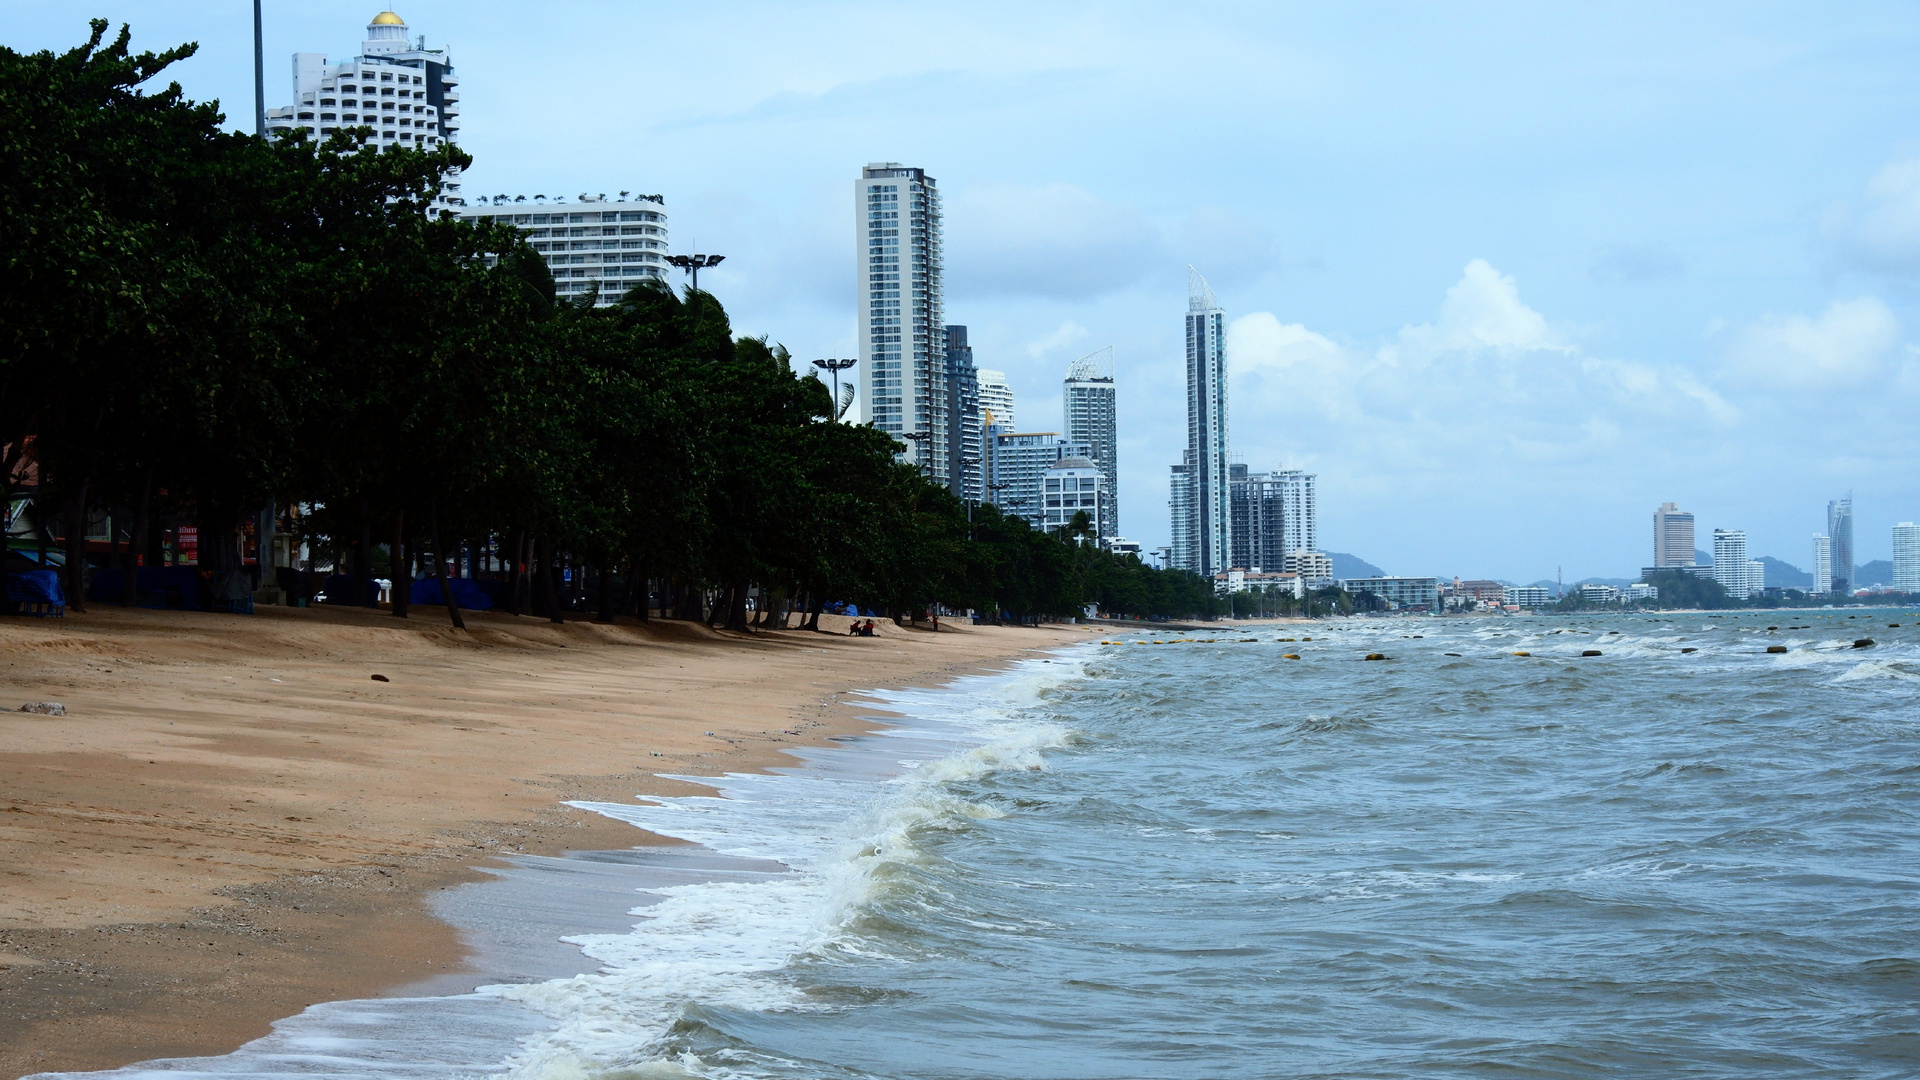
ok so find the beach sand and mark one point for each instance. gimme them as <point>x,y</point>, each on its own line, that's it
<point>234,820</point>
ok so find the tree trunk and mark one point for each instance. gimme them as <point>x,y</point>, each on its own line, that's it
<point>402,569</point>
<point>603,598</point>
<point>440,564</point>
<point>737,607</point>
<point>638,598</point>
<point>361,590</point>
<point>516,573</point>
<point>75,570</point>
<point>137,542</point>
<point>547,596</point>
<point>814,604</point>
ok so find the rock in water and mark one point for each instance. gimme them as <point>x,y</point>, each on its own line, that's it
<point>44,708</point>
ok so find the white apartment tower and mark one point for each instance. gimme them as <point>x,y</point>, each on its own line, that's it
<point>1731,567</point>
<point>1822,566</point>
<point>1203,515</point>
<point>1672,536</point>
<point>1092,420</point>
<point>404,92</point>
<point>1840,533</point>
<point>996,397</point>
<point>903,337</point>
<point>1906,557</point>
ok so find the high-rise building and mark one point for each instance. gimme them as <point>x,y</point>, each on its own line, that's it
<point>1271,515</point>
<point>1092,419</point>
<point>966,450</point>
<point>1672,536</point>
<point>609,245</point>
<point>1179,553</point>
<point>405,92</point>
<point>1205,512</point>
<point>996,397</point>
<point>1017,467</point>
<point>1906,557</point>
<point>1731,568</point>
<point>903,342</point>
<point>1822,566</point>
<point>1840,532</point>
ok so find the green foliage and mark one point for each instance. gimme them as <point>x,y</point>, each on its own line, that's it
<point>215,322</point>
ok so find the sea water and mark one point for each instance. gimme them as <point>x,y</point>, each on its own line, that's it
<point>1187,855</point>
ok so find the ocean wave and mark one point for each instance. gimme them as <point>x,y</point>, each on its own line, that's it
<point>853,849</point>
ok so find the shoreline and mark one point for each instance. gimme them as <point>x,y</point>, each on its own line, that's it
<point>234,821</point>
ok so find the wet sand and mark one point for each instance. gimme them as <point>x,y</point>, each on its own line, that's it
<point>234,820</point>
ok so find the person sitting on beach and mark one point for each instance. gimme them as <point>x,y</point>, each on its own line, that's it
<point>867,630</point>
<point>853,627</point>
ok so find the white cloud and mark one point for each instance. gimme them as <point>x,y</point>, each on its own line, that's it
<point>1846,345</point>
<point>1065,334</point>
<point>1057,241</point>
<point>1483,310</point>
<point>1882,231</point>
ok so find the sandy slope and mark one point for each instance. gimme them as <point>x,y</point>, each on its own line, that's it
<point>235,820</point>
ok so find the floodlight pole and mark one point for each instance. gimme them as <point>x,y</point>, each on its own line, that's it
<point>693,264</point>
<point>259,77</point>
<point>835,365</point>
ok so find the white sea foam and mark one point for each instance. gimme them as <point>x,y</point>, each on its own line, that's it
<point>724,944</point>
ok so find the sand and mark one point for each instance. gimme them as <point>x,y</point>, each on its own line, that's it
<point>234,820</point>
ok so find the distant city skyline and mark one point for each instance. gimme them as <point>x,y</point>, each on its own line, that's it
<point>1733,287</point>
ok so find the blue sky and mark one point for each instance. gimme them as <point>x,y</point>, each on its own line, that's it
<point>1506,277</point>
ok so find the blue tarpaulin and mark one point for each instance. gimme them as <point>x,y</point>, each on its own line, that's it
<point>466,593</point>
<point>36,589</point>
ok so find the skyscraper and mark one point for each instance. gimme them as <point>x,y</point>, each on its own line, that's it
<point>1272,516</point>
<point>1731,568</point>
<point>405,92</point>
<point>1840,532</point>
<point>1822,566</point>
<point>1204,512</point>
<point>966,450</point>
<point>996,397</point>
<point>1672,536</point>
<point>1906,557</point>
<point>1089,400</point>
<point>902,318</point>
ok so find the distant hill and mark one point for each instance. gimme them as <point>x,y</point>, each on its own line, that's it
<point>1877,572</point>
<point>1352,566</point>
<point>1702,558</point>
<point>1785,575</point>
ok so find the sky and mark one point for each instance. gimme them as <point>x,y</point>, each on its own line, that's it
<point>1505,276</point>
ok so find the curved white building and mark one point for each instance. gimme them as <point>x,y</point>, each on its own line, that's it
<point>406,93</point>
<point>589,243</point>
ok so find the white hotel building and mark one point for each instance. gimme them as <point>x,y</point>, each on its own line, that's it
<point>902,312</point>
<point>596,243</point>
<point>406,93</point>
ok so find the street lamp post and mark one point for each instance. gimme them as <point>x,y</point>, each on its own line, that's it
<point>836,365</point>
<point>919,440</point>
<point>693,264</point>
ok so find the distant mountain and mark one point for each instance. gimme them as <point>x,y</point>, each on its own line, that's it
<point>1784,575</point>
<point>1352,566</point>
<point>1702,558</point>
<point>1877,572</point>
<point>1549,585</point>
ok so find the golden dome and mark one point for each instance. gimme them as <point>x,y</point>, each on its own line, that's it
<point>387,18</point>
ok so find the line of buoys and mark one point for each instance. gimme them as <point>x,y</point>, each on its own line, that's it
<point>1523,654</point>
<point>1776,648</point>
<point>1376,656</point>
<point>1290,656</point>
